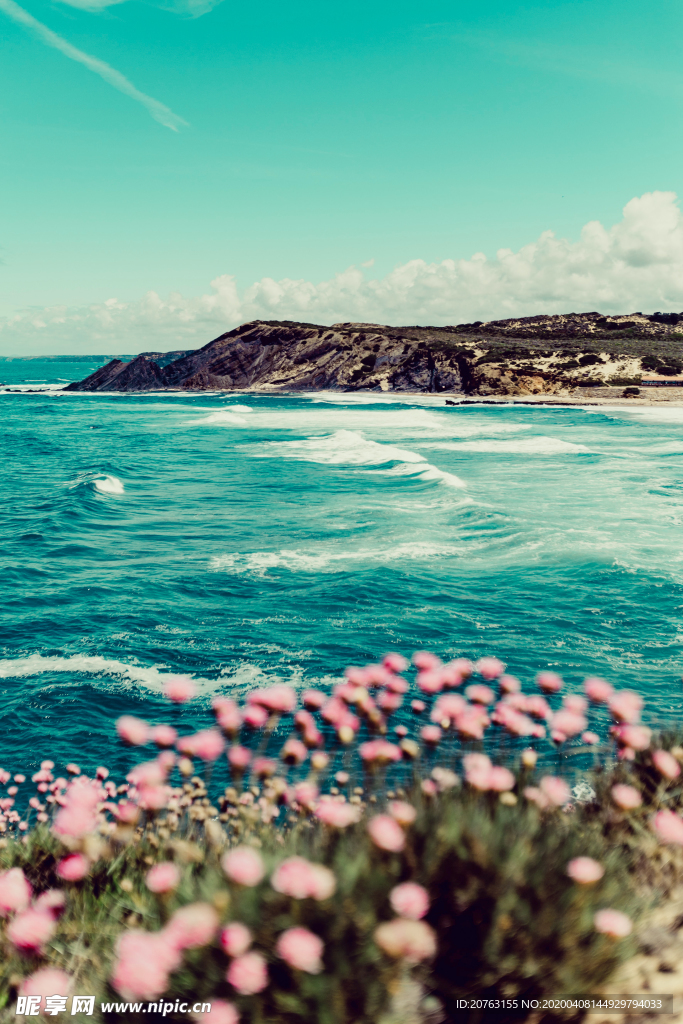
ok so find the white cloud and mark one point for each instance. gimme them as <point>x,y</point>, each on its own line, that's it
<point>159,111</point>
<point>191,8</point>
<point>635,265</point>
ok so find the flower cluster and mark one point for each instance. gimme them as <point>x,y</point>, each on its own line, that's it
<point>345,818</point>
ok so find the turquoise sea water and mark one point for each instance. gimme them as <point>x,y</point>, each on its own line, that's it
<point>249,538</point>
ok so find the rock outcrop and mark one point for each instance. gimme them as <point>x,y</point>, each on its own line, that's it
<point>295,357</point>
<point>553,355</point>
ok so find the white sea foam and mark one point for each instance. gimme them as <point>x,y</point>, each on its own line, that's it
<point>257,563</point>
<point>523,446</point>
<point>236,679</point>
<point>343,448</point>
<point>93,665</point>
<point>425,471</point>
<point>108,485</point>
<point>221,417</point>
<point>350,448</point>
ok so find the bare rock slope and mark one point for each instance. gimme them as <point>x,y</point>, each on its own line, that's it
<point>552,355</point>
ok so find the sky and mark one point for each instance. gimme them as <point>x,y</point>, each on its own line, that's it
<point>171,168</point>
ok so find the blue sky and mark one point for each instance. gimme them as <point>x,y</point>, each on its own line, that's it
<point>319,136</point>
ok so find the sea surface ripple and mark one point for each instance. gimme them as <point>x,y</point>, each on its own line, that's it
<point>248,538</point>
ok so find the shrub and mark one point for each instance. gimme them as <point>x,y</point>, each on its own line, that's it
<point>310,885</point>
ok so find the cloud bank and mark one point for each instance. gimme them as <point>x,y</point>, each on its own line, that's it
<point>159,111</point>
<point>637,264</point>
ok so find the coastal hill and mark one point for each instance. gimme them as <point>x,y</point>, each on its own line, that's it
<point>555,355</point>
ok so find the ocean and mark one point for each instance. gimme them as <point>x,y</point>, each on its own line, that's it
<point>250,538</point>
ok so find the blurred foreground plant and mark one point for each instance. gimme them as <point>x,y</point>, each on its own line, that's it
<point>337,863</point>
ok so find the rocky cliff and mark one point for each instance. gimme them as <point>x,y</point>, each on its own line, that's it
<point>533,355</point>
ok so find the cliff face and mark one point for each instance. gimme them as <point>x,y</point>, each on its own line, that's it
<point>553,355</point>
<point>294,357</point>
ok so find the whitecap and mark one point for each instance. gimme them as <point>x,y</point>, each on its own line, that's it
<point>108,485</point>
<point>95,665</point>
<point>221,416</point>
<point>343,448</point>
<point>257,563</point>
<point>523,446</point>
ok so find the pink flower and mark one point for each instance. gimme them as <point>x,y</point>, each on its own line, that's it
<point>163,735</point>
<point>278,698</point>
<point>239,758</point>
<point>243,865</point>
<point>598,690</point>
<point>255,716</point>
<point>264,767</point>
<point>179,689</point>
<point>568,723</point>
<point>294,751</point>
<point>127,812</point>
<point>490,668</point>
<point>590,737</point>
<point>48,981</point>
<point>637,737</point>
<point>236,939</point>
<point>666,764</point>
<point>480,694</point>
<point>477,769</point>
<point>425,660</point>
<point>555,790</point>
<point>538,707</point>
<point>625,706</point>
<point>30,930</point>
<point>299,878</point>
<point>313,699</point>
<point>409,900</point>
<point>431,734</point>
<point>575,703</point>
<point>510,684</point>
<point>389,702</point>
<point>585,870</point>
<point>626,797</point>
<point>472,722</point>
<point>430,681</point>
<point>397,684</point>
<point>379,751</point>
<point>417,706</point>
<point>228,715</point>
<point>72,768</point>
<point>52,901</point>
<point>395,662</point>
<point>192,926</point>
<point>402,812</point>
<point>306,793</point>
<point>301,949</point>
<point>221,1012</point>
<point>15,891</point>
<point>73,868</point>
<point>445,779</point>
<point>549,682</point>
<point>386,833</point>
<point>669,827</point>
<point>162,877</point>
<point>132,730</point>
<point>501,780</point>
<point>337,814</point>
<point>207,744</point>
<point>613,923</point>
<point>447,709</point>
<point>144,961</point>
<point>248,974</point>
<point>403,939</point>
